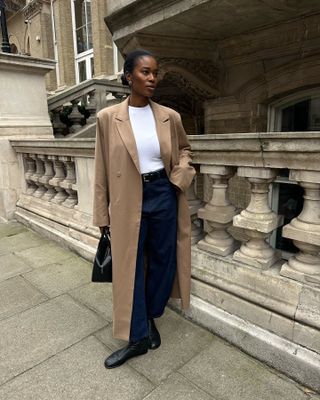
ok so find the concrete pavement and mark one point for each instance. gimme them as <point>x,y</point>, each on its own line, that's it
<point>55,332</point>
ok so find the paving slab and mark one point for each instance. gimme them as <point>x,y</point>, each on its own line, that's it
<point>229,374</point>
<point>21,241</point>
<point>38,333</point>
<point>11,228</point>
<point>56,279</point>
<point>78,373</point>
<point>176,387</point>
<point>11,265</point>
<point>44,255</point>
<point>97,297</point>
<point>181,340</point>
<point>16,295</point>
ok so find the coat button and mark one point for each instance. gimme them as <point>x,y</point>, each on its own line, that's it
<point>118,173</point>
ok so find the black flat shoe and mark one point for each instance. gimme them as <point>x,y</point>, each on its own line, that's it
<point>120,356</point>
<point>154,335</point>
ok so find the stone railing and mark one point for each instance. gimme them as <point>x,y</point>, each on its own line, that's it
<point>73,111</point>
<point>56,193</point>
<point>257,158</point>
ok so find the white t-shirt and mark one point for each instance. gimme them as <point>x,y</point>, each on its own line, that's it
<point>145,133</point>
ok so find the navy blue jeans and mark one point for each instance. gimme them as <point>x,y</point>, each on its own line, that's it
<point>158,238</point>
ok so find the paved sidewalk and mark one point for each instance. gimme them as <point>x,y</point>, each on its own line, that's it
<point>55,332</point>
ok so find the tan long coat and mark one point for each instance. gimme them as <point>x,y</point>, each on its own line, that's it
<point>118,200</point>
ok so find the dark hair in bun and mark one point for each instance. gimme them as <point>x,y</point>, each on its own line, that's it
<point>131,61</point>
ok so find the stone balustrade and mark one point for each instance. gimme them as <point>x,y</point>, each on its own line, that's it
<point>51,178</point>
<point>73,111</point>
<point>257,158</point>
<point>57,188</point>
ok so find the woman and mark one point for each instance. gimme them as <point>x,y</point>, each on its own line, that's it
<point>142,170</point>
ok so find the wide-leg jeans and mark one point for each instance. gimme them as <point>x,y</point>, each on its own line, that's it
<point>158,241</point>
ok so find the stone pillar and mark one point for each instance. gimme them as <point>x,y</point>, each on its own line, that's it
<point>23,115</point>
<point>305,231</point>
<point>64,36</point>
<point>102,40</point>
<point>257,220</point>
<point>218,213</point>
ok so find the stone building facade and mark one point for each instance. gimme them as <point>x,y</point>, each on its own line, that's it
<point>71,32</point>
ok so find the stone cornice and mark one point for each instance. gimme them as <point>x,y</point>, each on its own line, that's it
<point>56,147</point>
<point>33,8</point>
<point>292,150</point>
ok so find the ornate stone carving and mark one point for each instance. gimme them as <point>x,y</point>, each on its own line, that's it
<point>33,8</point>
<point>199,78</point>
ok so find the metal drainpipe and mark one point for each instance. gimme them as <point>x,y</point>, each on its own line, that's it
<point>5,46</point>
<point>56,57</point>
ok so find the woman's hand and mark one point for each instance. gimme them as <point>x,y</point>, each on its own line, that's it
<point>104,228</point>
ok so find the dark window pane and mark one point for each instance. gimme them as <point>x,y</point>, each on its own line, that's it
<point>80,15</point>
<point>290,206</point>
<point>82,71</point>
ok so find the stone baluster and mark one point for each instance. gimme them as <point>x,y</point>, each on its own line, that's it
<point>59,176</point>
<point>92,107</point>
<point>59,128</point>
<point>218,213</point>
<point>257,220</point>
<point>304,230</point>
<point>41,189</point>
<point>48,175</point>
<point>75,117</point>
<point>30,168</point>
<point>68,183</point>
<point>194,205</point>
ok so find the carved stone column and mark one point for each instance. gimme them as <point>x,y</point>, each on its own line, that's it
<point>257,220</point>
<point>37,175</point>
<point>304,230</point>
<point>48,175</point>
<point>30,167</point>
<point>68,183</point>
<point>58,177</point>
<point>218,213</point>
<point>194,205</point>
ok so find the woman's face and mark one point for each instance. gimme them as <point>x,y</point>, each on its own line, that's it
<point>144,76</point>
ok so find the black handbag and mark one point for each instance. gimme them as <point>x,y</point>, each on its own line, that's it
<point>102,264</point>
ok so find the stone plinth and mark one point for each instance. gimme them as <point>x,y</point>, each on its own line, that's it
<point>23,114</point>
<point>23,100</point>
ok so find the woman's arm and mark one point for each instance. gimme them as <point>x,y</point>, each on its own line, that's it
<point>182,172</point>
<point>100,190</point>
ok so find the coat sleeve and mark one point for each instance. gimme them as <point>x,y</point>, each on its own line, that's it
<point>182,172</point>
<point>101,189</point>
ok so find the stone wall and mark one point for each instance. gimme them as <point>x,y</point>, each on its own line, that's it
<point>260,67</point>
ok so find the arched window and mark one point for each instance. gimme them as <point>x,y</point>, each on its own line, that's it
<point>295,113</point>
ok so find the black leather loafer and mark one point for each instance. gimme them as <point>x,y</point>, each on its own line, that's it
<point>154,335</point>
<point>120,356</point>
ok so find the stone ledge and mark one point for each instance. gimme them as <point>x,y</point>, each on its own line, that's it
<point>75,240</point>
<point>265,288</point>
<point>292,359</point>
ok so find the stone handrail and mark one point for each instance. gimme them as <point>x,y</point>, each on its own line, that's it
<point>257,157</point>
<point>74,110</point>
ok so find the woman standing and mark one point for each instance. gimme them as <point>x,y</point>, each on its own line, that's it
<point>142,170</point>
